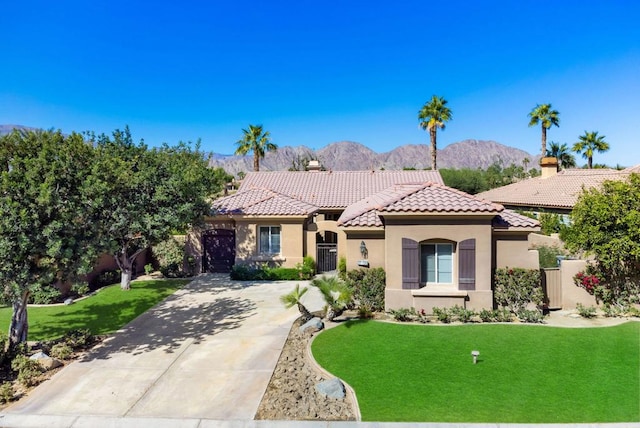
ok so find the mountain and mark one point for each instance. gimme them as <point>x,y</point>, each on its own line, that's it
<point>7,129</point>
<point>351,156</point>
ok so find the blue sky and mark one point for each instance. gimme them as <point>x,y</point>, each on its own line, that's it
<point>319,72</point>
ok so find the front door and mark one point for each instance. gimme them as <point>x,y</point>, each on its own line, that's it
<point>326,257</point>
<point>218,250</point>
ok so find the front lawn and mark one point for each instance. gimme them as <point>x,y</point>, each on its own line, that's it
<point>525,374</point>
<point>103,313</point>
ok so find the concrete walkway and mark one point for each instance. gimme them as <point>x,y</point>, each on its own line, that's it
<point>207,352</point>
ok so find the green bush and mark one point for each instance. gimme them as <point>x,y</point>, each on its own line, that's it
<point>170,256</point>
<point>44,294</point>
<point>502,315</point>
<point>308,267</point>
<point>548,256</point>
<point>302,271</point>
<point>486,315</point>
<point>462,314</point>
<point>551,223</point>
<point>6,392</point>
<point>78,339</point>
<point>148,269</point>
<point>29,371</point>
<point>368,288</point>
<point>107,277</point>
<point>342,268</point>
<point>442,314</point>
<point>61,351</point>
<point>586,311</point>
<point>515,288</point>
<point>80,288</point>
<point>532,316</point>
<point>403,314</point>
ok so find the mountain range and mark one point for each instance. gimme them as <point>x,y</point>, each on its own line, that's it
<point>352,156</point>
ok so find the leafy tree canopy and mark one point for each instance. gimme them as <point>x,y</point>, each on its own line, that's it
<point>606,224</point>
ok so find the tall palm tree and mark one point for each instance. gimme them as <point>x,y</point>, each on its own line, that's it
<point>544,115</point>
<point>433,115</point>
<point>561,152</point>
<point>257,141</point>
<point>589,143</point>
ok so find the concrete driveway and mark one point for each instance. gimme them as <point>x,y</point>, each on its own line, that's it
<point>206,352</point>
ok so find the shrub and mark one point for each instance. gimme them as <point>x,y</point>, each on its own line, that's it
<point>443,315</point>
<point>365,312</point>
<point>551,223</point>
<point>516,288</point>
<point>29,371</point>
<point>486,315</point>
<point>148,269</point>
<point>532,316</point>
<point>634,312</point>
<point>336,295</point>
<point>44,294</point>
<point>611,311</point>
<point>80,288</point>
<point>368,288</point>
<point>170,256</point>
<point>502,315</point>
<point>548,256</point>
<point>586,312</point>
<point>282,274</point>
<point>107,277</point>
<point>307,268</point>
<point>61,351</point>
<point>6,392</point>
<point>403,314</point>
<point>462,314</point>
<point>78,338</point>
<point>304,270</point>
<point>342,268</point>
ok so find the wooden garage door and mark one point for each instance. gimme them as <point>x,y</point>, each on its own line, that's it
<point>219,250</point>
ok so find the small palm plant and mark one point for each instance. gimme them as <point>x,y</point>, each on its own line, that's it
<point>336,295</point>
<point>294,298</point>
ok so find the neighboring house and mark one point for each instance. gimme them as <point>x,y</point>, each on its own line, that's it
<point>438,246</point>
<point>553,191</point>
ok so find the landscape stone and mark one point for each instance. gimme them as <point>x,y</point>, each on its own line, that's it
<point>39,356</point>
<point>333,388</point>
<point>50,363</point>
<point>314,323</point>
<point>68,301</point>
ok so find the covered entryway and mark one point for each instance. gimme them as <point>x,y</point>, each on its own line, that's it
<point>326,251</point>
<point>218,250</point>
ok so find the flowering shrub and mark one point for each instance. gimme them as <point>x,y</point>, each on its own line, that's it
<point>515,288</point>
<point>587,281</point>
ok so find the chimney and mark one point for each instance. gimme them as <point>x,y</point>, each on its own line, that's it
<point>314,166</point>
<point>549,166</point>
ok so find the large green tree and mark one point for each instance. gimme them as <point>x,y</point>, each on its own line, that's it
<point>588,144</point>
<point>434,114</point>
<point>546,117</point>
<point>144,194</point>
<point>256,140</point>
<point>605,223</point>
<point>562,153</point>
<point>47,216</point>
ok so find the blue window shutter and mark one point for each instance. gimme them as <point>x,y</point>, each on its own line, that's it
<point>467,264</point>
<point>410,264</point>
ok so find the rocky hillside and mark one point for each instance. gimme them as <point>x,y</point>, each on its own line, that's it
<point>347,155</point>
<point>7,129</point>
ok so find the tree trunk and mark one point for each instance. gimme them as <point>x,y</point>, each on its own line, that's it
<point>256,162</point>
<point>432,134</point>
<point>19,323</point>
<point>590,162</point>
<point>306,315</point>
<point>544,141</point>
<point>126,267</point>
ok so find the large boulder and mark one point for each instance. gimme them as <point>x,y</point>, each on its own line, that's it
<point>333,388</point>
<point>46,362</point>
<point>311,326</point>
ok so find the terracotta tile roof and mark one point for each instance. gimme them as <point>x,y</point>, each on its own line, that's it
<point>508,218</point>
<point>414,198</point>
<point>261,202</point>
<point>558,191</point>
<point>632,169</point>
<point>333,189</point>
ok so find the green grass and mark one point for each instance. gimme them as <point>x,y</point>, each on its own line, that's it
<point>525,374</point>
<point>103,313</point>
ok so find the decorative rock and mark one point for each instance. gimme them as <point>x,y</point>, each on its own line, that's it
<point>39,356</point>
<point>314,323</point>
<point>333,388</point>
<point>50,363</point>
<point>68,301</point>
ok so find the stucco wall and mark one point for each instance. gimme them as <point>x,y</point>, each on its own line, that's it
<point>514,251</point>
<point>374,241</point>
<point>291,242</point>
<point>452,230</point>
<point>571,293</point>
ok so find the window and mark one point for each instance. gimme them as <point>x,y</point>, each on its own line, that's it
<point>436,263</point>
<point>270,239</point>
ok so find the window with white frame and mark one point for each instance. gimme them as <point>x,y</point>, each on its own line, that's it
<point>436,263</point>
<point>269,239</point>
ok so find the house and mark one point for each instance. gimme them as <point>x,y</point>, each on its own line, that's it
<point>553,191</point>
<point>438,246</point>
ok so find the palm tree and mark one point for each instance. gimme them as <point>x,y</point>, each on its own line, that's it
<point>561,152</point>
<point>294,298</point>
<point>544,115</point>
<point>589,143</point>
<point>336,295</point>
<point>432,116</point>
<point>256,141</point>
